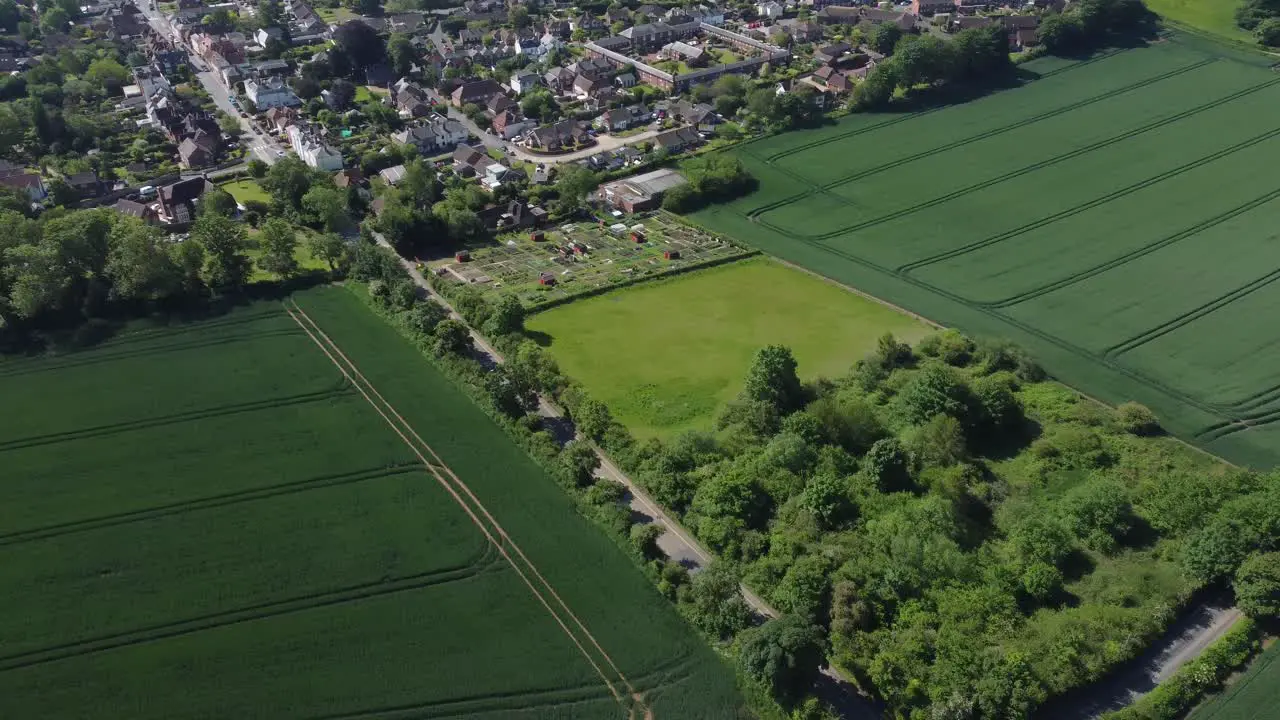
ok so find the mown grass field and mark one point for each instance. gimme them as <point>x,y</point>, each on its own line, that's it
<point>209,520</point>
<point>1116,215</point>
<point>1253,695</point>
<point>664,356</point>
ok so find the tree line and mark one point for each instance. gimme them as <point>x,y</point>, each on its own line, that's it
<point>979,57</point>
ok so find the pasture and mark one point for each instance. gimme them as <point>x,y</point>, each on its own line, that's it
<point>1115,215</point>
<point>213,520</point>
<point>664,356</point>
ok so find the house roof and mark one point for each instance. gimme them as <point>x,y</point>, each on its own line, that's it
<point>125,206</point>
<point>348,177</point>
<point>677,138</point>
<point>393,175</point>
<point>21,180</point>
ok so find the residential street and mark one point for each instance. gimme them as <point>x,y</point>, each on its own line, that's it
<point>489,140</point>
<point>259,143</point>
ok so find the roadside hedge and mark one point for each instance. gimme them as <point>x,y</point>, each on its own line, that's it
<point>1190,684</point>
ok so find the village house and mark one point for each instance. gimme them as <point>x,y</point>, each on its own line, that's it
<point>434,135</point>
<point>30,183</point>
<point>559,80</point>
<point>470,162</point>
<point>701,115</point>
<point>349,178</point>
<point>475,93</point>
<point>678,140</point>
<point>770,9</point>
<point>176,203</point>
<point>146,213</point>
<point>619,119</point>
<point>522,81</point>
<point>313,150</point>
<point>280,118</point>
<point>831,53</point>
<point>559,136</point>
<point>926,8</point>
<point>509,124</point>
<point>498,103</point>
<point>270,93</point>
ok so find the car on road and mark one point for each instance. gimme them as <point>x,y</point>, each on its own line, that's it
<point>279,153</point>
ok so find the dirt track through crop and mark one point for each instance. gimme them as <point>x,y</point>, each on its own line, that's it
<point>492,530</point>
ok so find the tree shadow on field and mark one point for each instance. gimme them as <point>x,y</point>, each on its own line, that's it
<point>72,331</point>
<point>543,340</point>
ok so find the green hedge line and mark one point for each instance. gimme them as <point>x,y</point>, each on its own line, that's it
<point>1190,684</point>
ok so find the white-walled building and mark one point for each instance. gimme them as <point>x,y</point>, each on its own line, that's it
<point>270,93</point>
<point>313,150</point>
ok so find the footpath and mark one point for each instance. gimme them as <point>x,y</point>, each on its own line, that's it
<point>676,543</point>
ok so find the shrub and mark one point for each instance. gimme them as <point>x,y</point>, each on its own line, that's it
<point>1137,419</point>
<point>1257,585</point>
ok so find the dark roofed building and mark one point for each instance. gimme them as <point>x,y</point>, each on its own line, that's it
<point>146,213</point>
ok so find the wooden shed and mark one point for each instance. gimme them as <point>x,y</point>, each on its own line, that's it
<point>547,279</point>
<point>462,256</point>
<point>537,236</point>
<point>671,254</point>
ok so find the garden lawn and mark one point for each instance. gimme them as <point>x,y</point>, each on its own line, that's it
<point>1115,215</point>
<point>664,355</point>
<point>257,542</point>
<point>246,190</point>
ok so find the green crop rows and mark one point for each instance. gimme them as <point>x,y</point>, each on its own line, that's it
<point>209,520</point>
<point>1117,215</point>
<point>1255,694</point>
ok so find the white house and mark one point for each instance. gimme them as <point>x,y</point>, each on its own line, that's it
<point>436,133</point>
<point>523,81</point>
<point>270,93</point>
<point>265,35</point>
<point>769,9</point>
<point>313,150</point>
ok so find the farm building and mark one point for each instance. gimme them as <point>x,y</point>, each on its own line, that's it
<point>642,192</point>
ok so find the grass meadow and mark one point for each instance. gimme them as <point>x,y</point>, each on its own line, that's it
<point>664,356</point>
<point>209,520</point>
<point>1217,17</point>
<point>1116,215</point>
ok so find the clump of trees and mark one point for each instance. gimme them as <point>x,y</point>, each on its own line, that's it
<point>712,178</point>
<point>1262,17</point>
<point>974,56</point>
<point>1093,23</point>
